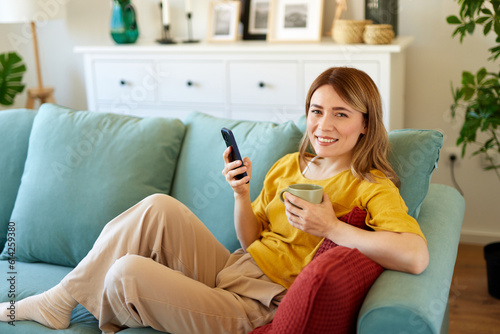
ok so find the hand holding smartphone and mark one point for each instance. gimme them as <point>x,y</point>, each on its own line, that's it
<point>235,155</point>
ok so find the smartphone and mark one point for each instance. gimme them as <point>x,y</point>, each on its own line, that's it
<point>235,152</point>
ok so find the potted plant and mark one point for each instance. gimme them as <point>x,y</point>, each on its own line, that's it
<point>478,97</point>
<point>12,70</point>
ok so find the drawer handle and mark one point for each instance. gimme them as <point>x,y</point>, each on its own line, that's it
<point>262,84</point>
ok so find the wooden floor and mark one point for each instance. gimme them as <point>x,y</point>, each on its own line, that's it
<point>472,309</point>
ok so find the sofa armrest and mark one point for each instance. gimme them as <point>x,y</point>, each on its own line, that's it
<point>405,303</point>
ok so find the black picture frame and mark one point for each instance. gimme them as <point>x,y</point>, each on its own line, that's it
<point>383,12</point>
<point>248,34</point>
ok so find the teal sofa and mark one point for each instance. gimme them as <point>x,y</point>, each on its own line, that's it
<point>65,173</point>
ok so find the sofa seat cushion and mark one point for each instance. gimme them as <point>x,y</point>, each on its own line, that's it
<point>83,169</point>
<point>15,129</point>
<point>199,183</point>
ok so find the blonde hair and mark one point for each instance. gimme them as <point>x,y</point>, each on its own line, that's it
<point>359,91</point>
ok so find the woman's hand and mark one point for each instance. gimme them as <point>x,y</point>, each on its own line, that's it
<point>231,169</point>
<point>315,219</point>
<point>406,252</point>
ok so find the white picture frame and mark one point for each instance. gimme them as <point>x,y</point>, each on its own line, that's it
<point>223,21</point>
<point>295,21</point>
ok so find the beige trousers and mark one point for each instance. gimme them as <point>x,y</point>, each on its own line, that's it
<point>156,265</point>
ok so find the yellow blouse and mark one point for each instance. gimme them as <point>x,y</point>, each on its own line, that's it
<point>283,251</point>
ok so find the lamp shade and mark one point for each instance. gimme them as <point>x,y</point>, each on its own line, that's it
<point>19,11</point>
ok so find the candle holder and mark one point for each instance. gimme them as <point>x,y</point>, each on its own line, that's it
<point>165,32</point>
<point>190,29</point>
<point>166,36</point>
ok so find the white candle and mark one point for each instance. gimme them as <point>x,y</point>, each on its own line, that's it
<point>165,12</point>
<point>189,6</point>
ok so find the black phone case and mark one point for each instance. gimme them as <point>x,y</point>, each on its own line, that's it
<point>228,137</point>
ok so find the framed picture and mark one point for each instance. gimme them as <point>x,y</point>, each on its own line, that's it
<point>295,20</point>
<point>255,19</point>
<point>223,18</point>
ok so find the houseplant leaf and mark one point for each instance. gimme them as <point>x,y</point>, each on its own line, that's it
<point>12,70</point>
<point>479,93</point>
<point>481,74</point>
<point>452,19</point>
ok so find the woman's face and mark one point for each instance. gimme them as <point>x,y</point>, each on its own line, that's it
<point>333,126</point>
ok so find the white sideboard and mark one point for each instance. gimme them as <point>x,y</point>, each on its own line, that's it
<point>252,80</point>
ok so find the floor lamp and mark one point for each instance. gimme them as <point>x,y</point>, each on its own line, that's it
<point>32,11</point>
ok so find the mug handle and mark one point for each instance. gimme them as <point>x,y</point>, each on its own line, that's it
<point>281,195</point>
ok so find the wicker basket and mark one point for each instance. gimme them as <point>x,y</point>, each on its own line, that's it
<point>349,31</point>
<point>378,34</point>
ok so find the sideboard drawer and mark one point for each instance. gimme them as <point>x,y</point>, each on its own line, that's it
<point>125,81</point>
<point>269,83</point>
<point>192,81</point>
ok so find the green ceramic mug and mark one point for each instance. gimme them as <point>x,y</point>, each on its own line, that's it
<point>309,192</point>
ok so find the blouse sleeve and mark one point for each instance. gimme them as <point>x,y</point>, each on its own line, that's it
<point>259,205</point>
<point>387,210</point>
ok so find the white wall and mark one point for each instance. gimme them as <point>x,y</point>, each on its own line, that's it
<point>434,60</point>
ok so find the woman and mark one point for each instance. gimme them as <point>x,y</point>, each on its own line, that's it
<point>157,265</point>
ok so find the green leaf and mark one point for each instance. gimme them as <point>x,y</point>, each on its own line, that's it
<point>487,27</point>
<point>11,72</point>
<point>470,27</point>
<point>490,82</point>
<point>481,74</point>
<point>464,146</point>
<point>482,19</point>
<point>452,19</point>
<point>460,30</point>
<point>468,92</point>
<point>496,26</point>
<point>488,144</point>
<point>495,51</point>
<point>486,11</point>
<point>467,78</point>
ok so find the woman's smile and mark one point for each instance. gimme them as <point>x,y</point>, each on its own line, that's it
<point>325,141</point>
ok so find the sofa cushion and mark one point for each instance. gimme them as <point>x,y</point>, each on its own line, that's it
<point>414,155</point>
<point>15,129</point>
<point>83,169</point>
<point>331,293</point>
<point>357,218</point>
<point>327,295</point>
<point>199,183</point>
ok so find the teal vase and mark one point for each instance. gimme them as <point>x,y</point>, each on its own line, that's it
<point>123,22</point>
